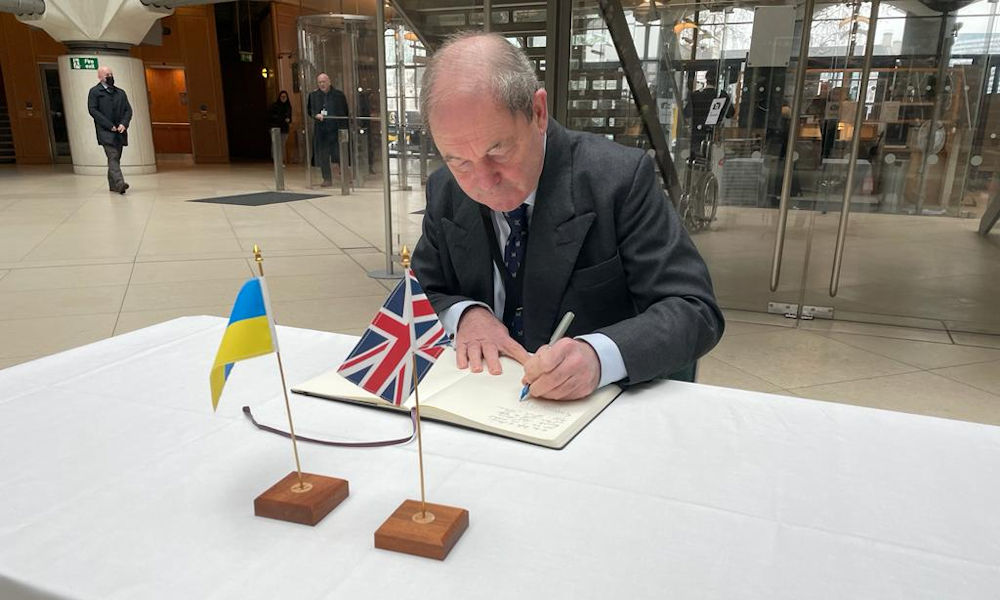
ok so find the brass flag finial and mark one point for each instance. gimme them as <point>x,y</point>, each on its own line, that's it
<point>404,256</point>
<point>260,260</point>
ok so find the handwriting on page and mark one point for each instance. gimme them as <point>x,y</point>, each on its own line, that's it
<point>534,418</point>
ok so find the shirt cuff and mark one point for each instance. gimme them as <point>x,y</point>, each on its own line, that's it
<point>451,315</point>
<point>610,357</point>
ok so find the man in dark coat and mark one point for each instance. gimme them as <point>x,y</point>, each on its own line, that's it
<point>112,113</point>
<point>530,221</point>
<point>328,107</point>
<point>698,107</point>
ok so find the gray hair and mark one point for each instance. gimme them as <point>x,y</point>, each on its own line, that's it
<point>503,69</point>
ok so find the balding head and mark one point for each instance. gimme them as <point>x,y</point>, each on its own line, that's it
<point>488,114</point>
<point>103,72</point>
<point>323,82</point>
<point>483,65</point>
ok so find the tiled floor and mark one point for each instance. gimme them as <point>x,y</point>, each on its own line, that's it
<point>78,264</point>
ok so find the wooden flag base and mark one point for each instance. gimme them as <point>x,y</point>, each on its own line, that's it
<point>287,502</point>
<point>431,534</point>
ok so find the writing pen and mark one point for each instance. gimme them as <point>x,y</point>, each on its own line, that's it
<point>560,331</point>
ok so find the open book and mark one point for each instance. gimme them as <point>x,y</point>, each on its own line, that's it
<point>480,401</point>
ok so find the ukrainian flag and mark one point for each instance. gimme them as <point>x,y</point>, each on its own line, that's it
<point>250,333</point>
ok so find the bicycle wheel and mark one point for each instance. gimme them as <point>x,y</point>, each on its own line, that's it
<point>709,200</point>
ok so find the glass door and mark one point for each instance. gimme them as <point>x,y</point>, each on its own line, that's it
<point>899,244</point>
<point>858,182</point>
<point>344,47</point>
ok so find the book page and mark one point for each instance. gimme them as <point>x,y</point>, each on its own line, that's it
<point>331,384</point>
<point>480,401</point>
<point>491,403</point>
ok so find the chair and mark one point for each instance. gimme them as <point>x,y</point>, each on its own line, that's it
<point>688,373</point>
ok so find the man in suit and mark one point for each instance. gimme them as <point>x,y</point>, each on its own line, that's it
<point>697,109</point>
<point>328,107</point>
<point>112,113</point>
<point>530,220</point>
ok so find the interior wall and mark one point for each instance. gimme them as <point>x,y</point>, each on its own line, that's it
<point>284,20</point>
<point>245,90</point>
<point>21,49</point>
<point>168,109</point>
<point>189,42</point>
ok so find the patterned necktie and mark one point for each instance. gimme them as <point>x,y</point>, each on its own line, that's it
<point>513,256</point>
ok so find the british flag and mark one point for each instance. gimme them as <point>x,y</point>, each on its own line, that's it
<point>405,326</point>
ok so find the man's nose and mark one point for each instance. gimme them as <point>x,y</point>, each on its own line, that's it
<point>486,177</point>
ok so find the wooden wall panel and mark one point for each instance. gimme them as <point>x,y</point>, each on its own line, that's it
<point>172,138</point>
<point>191,45</point>
<point>23,87</point>
<point>166,95</point>
<point>170,53</point>
<point>204,83</point>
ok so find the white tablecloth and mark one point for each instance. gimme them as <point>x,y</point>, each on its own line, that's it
<point>117,481</point>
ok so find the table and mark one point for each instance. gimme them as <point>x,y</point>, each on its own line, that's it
<point>117,481</point>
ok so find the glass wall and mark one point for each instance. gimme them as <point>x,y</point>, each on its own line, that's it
<point>344,48</point>
<point>924,152</point>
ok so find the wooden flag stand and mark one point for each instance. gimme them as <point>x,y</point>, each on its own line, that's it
<point>419,528</point>
<point>299,497</point>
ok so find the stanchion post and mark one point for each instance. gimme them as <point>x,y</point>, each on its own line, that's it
<point>423,156</point>
<point>278,155</point>
<point>345,177</point>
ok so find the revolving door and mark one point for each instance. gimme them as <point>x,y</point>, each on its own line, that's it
<point>343,47</point>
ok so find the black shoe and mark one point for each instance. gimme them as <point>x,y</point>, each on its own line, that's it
<point>326,183</point>
<point>123,188</point>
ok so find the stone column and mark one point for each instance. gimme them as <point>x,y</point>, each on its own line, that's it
<point>88,158</point>
<point>103,30</point>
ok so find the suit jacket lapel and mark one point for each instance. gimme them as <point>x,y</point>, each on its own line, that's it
<point>470,253</point>
<point>558,229</point>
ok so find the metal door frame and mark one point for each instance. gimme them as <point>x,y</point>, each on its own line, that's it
<point>47,102</point>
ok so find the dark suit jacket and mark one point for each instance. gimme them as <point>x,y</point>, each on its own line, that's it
<point>335,103</point>
<point>603,242</point>
<point>109,108</point>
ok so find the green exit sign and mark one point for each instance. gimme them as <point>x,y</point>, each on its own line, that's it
<point>246,56</point>
<point>86,63</point>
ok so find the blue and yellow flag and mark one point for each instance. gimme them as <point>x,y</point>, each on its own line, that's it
<point>250,333</point>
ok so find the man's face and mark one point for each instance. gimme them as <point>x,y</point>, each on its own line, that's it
<point>495,156</point>
<point>323,82</point>
<point>104,72</point>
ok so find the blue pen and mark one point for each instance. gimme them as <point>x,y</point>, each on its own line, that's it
<point>560,331</point>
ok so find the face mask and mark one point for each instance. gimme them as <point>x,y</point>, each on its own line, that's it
<point>110,80</point>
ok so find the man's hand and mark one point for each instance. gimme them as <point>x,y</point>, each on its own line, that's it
<point>120,128</point>
<point>566,370</point>
<point>481,336</point>
<point>319,116</point>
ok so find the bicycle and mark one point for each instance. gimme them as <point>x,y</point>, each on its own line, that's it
<point>700,198</point>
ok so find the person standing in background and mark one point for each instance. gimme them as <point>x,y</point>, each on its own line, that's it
<point>328,107</point>
<point>112,113</point>
<point>697,108</point>
<point>280,116</point>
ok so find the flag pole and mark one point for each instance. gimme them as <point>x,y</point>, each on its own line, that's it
<point>420,445</point>
<point>301,486</point>
<point>409,528</point>
<point>424,516</point>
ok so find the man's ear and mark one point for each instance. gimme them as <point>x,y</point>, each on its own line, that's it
<point>540,108</point>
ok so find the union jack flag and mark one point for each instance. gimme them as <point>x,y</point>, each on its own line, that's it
<point>406,325</point>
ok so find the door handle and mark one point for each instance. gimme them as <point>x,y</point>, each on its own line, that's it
<point>852,163</point>
<point>793,133</point>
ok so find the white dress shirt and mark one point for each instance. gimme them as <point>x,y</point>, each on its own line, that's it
<point>610,357</point>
